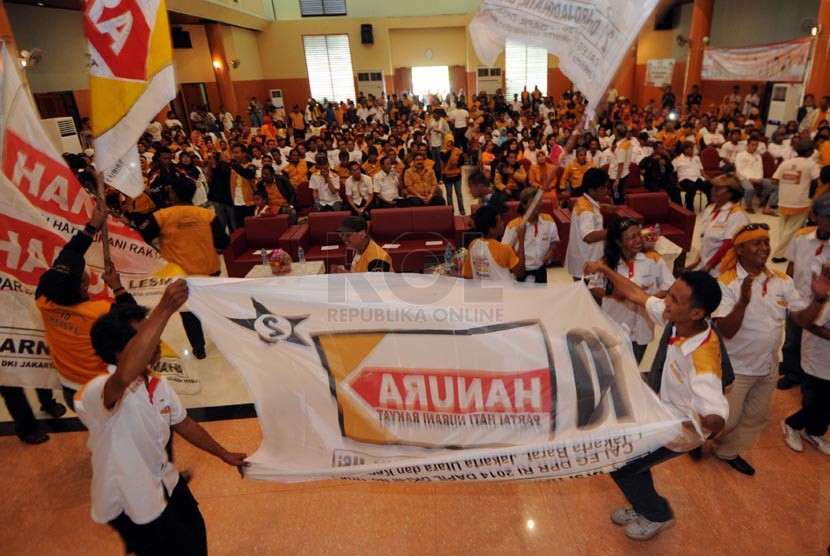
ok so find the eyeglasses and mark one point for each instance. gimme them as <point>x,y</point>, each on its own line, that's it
<point>754,226</point>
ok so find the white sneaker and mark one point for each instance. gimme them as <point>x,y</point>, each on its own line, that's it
<point>642,529</point>
<point>791,437</point>
<point>624,515</point>
<point>819,442</point>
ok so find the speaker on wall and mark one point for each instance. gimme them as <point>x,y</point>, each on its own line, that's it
<point>366,34</point>
<point>181,38</point>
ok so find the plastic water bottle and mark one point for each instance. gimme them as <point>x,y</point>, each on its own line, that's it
<point>300,255</point>
<point>448,256</point>
<point>264,253</point>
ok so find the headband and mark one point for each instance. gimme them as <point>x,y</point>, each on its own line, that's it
<point>730,259</point>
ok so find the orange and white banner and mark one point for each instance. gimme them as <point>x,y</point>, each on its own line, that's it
<point>400,377</point>
<point>42,205</point>
<point>777,62</point>
<point>131,80</point>
<point>659,72</point>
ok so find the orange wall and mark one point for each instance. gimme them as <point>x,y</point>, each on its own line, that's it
<point>644,93</point>
<point>557,83</point>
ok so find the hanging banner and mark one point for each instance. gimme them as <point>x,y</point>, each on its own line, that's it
<point>131,80</point>
<point>402,377</point>
<point>659,72</point>
<point>590,37</point>
<point>778,62</point>
<point>42,205</point>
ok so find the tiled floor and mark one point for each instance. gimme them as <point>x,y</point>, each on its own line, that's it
<point>783,510</point>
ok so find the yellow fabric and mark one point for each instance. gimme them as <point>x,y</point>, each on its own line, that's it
<point>275,199</point>
<point>296,174</point>
<point>186,238</point>
<point>707,358</point>
<point>247,185</point>
<point>422,182</point>
<point>373,252</point>
<point>730,259</point>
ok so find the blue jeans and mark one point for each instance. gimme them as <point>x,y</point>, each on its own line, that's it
<point>769,188</point>
<point>449,185</point>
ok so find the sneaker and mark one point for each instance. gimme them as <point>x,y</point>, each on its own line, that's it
<point>819,443</point>
<point>624,515</point>
<point>642,529</point>
<point>54,408</point>
<point>791,437</point>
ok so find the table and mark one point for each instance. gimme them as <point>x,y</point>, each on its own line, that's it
<point>668,249</point>
<point>307,268</point>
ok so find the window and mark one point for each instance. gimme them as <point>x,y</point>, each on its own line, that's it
<point>525,66</point>
<point>328,60</point>
<point>310,8</point>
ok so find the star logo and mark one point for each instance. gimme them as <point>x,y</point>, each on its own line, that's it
<point>273,328</point>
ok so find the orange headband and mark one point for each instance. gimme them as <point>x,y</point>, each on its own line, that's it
<point>730,259</point>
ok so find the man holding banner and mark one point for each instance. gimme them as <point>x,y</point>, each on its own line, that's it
<point>689,382</point>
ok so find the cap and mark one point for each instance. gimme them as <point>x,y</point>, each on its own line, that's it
<point>726,180</point>
<point>821,206</point>
<point>449,137</point>
<point>352,224</point>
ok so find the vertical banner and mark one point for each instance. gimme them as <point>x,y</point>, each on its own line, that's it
<point>403,377</point>
<point>778,62</point>
<point>590,37</point>
<point>131,80</point>
<point>659,72</point>
<point>42,205</point>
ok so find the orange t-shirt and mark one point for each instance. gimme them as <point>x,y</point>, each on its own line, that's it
<point>186,238</point>
<point>67,335</point>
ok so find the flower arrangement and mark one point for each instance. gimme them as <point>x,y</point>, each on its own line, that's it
<point>280,262</point>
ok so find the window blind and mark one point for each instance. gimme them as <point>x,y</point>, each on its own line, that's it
<point>328,61</point>
<point>322,7</point>
<point>525,66</point>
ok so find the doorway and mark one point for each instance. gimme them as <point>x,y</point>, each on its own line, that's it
<point>430,80</point>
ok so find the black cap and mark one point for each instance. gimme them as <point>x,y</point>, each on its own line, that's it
<point>352,224</point>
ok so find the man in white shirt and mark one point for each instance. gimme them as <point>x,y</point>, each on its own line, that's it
<point>436,130</point>
<point>779,149</point>
<point>749,169</point>
<point>689,171</point>
<point>360,191</point>
<point>793,178</point>
<point>620,165</point>
<point>129,413</point>
<point>325,186</point>
<point>729,151</point>
<point>387,185</point>
<point>751,315</point>
<point>587,233</point>
<point>613,94</point>
<point>540,238</point>
<point>751,100</point>
<point>711,136</point>
<point>459,116</point>
<point>689,384</point>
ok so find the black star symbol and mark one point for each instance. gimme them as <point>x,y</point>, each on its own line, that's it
<point>261,310</point>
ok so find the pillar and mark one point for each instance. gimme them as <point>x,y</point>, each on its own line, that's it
<point>818,81</point>
<point>227,94</point>
<point>701,27</point>
<point>6,31</point>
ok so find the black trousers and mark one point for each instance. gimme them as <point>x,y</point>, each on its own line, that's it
<point>460,134</point>
<point>692,187</point>
<point>639,351</point>
<point>179,530</point>
<point>618,195</point>
<point>193,329</point>
<point>790,366</point>
<point>814,415</point>
<point>19,408</point>
<point>637,485</point>
<point>239,214</point>
<point>541,275</point>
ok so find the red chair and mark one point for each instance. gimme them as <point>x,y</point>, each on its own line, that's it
<point>770,164</point>
<point>268,232</point>
<point>319,239</point>
<point>526,163</point>
<point>710,159</point>
<point>305,199</point>
<point>677,224</point>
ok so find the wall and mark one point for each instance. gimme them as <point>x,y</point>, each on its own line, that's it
<point>194,65</point>
<point>448,46</point>
<point>750,22</point>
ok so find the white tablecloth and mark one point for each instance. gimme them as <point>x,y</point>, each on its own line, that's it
<point>297,269</point>
<point>669,250</point>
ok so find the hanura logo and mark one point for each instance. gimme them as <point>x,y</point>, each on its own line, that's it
<point>119,32</point>
<point>491,385</point>
<point>273,328</point>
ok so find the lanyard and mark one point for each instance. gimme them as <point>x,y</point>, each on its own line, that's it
<point>630,269</point>
<point>820,250</point>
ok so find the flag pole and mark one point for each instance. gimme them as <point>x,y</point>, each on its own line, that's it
<point>102,203</point>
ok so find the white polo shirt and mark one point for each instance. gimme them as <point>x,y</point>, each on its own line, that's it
<point>691,385</point>
<point>794,177</point>
<point>808,254</point>
<point>749,165</point>
<point>130,469</point>
<point>718,226</point>
<point>359,191</point>
<point>487,259</point>
<point>622,155</point>
<point>650,272</point>
<point>585,218</point>
<point>687,167</point>
<point>729,151</point>
<point>538,239</point>
<point>387,185</point>
<point>815,351</point>
<point>754,349</point>
<point>324,194</point>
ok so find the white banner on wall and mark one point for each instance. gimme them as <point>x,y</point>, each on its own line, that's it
<point>659,72</point>
<point>778,62</point>
<point>590,37</point>
<point>397,377</point>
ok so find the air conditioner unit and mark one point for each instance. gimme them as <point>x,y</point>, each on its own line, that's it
<point>488,80</point>
<point>783,105</point>
<point>279,103</point>
<point>63,134</point>
<point>371,83</point>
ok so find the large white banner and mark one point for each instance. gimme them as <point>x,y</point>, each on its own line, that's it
<point>401,377</point>
<point>659,72</point>
<point>590,37</point>
<point>42,205</point>
<point>783,61</point>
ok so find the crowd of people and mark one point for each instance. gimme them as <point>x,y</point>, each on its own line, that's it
<point>725,314</point>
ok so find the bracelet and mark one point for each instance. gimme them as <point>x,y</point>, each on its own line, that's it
<point>90,229</point>
<point>822,300</point>
<point>121,289</point>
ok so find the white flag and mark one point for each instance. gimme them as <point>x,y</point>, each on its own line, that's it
<point>403,377</point>
<point>590,37</point>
